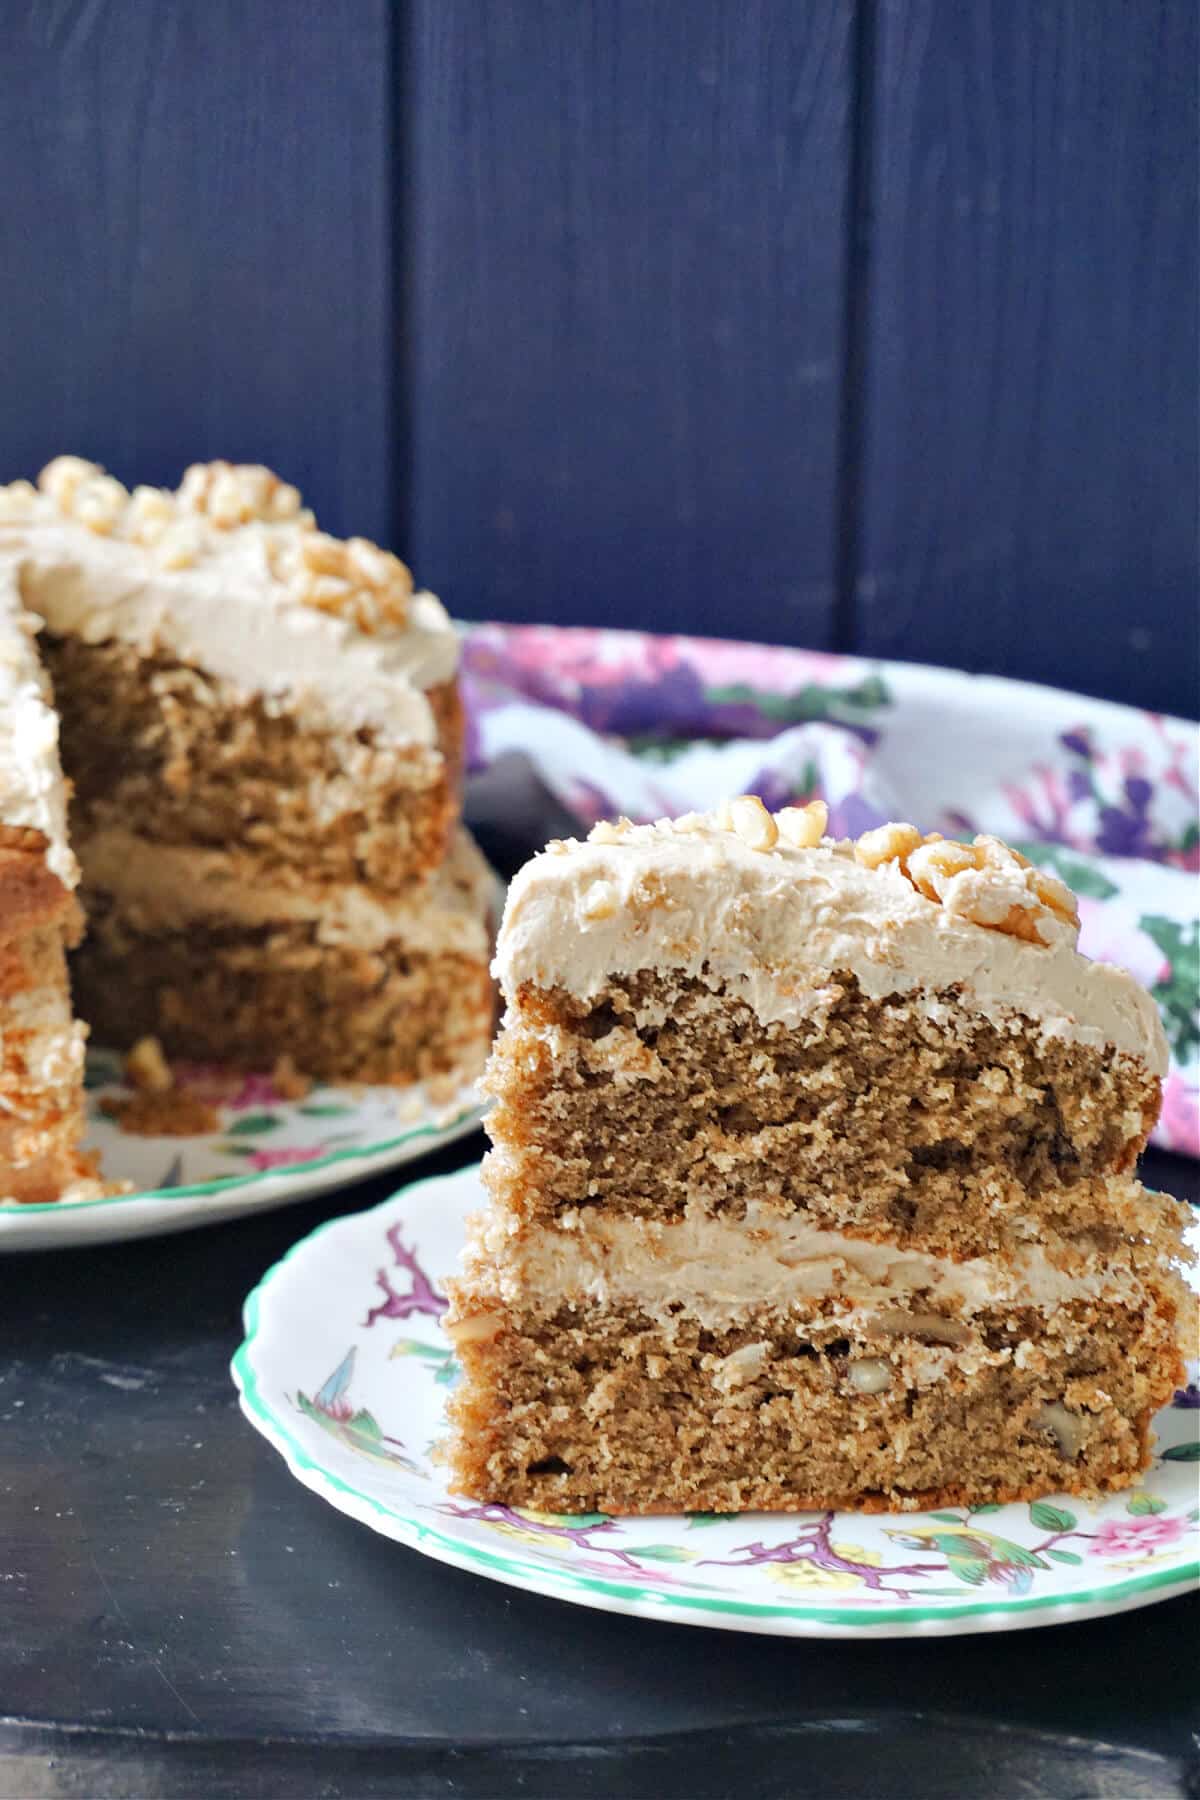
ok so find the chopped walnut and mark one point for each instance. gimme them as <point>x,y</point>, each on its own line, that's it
<point>60,478</point>
<point>356,581</point>
<point>887,843</point>
<point>609,831</point>
<point>600,901</point>
<point>233,494</point>
<point>146,1068</point>
<point>987,882</point>
<point>803,827</point>
<point>753,823</point>
<point>480,1328</point>
<point>16,499</point>
<point>150,512</point>
<point>99,503</point>
<point>1066,1428</point>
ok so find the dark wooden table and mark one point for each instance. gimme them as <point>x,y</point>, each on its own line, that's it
<point>179,1616</point>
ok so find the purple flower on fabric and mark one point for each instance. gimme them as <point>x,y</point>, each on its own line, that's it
<point>1079,742</point>
<point>1188,1396</point>
<point>1128,831</point>
<point>853,815</point>
<point>775,791</point>
<point>669,705</point>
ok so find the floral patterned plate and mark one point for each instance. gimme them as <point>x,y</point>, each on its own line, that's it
<point>345,1371</point>
<point>268,1151</point>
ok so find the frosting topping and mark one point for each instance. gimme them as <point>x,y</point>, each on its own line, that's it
<point>229,572</point>
<point>773,915</point>
<point>32,790</point>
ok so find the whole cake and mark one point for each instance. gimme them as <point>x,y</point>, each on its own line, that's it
<point>811,1182</point>
<point>259,729</point>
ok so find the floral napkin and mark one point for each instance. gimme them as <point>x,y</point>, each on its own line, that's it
<point>625,722</point>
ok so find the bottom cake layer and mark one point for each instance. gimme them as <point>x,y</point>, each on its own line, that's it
<point>194,948</point>
<point>592,1409</point>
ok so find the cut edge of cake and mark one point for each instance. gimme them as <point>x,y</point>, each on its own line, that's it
<point>811,1182</point>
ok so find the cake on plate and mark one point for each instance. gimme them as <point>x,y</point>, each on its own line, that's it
<point>259,732</point>
<point>812,1182</point>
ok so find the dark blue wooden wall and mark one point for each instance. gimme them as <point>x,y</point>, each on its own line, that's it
<point>859,323</point>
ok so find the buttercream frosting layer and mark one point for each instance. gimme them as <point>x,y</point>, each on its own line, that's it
<point>32,790</point>
<point>721,1271</point>
<point>161,887</point>
<point>773,926</point>
<point>230,614</point>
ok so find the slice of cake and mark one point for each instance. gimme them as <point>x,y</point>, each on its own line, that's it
<point>812,1182</point>
<point>262,731</point>
<point>41,1044</point>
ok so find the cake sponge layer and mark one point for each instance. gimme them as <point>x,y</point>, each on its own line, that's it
<point>595,1409</point>
<point>196,760</point>
<point>903,1116</point>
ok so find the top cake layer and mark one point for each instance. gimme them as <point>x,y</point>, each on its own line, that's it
<point>229,573</point>
<point>769,907</point>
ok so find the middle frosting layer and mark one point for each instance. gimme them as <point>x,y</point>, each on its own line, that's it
<point>163,886</point>
<point>719,1271</point>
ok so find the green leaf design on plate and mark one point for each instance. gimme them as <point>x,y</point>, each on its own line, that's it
<point>253,1125</point>
<point>666,1553</point>
<point>323,1111</point>
<point>947,1518</point>
<point>696,1520</point>
<point>1183,1453</point>
<point>1064,1556</point>
<point>1052,1518</point>
<point>1143,1504</point>
<point>978,1511</point>
<point>578,1521</point>
<point>1078,875</point>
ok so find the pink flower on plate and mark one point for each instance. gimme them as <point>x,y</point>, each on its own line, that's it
<point>1179,1121</point>
<point>226,1087</point>
<point>1136,1537</point>
<point>282,1159</point>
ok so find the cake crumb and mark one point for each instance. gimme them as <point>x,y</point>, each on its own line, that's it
<point>288,1081</point>
<point>155,1113</point>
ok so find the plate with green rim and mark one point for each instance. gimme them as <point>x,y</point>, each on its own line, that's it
<point>345,1371</point>
<point>268,1150</point>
